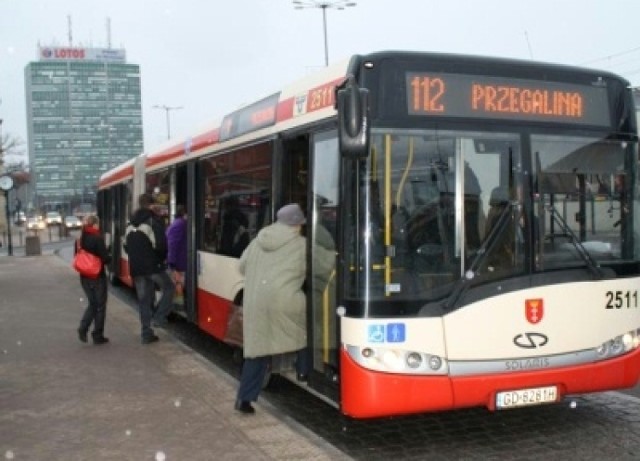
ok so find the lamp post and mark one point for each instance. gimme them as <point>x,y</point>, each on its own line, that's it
<point>323,5</point>
<point>168,109</point>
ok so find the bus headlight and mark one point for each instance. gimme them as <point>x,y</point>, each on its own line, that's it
<point>602,350</point>
<point>367,352</point>
<point>619,345</point>
<point>414,360</point>
<point>435,362</point>
<point>391,360</point>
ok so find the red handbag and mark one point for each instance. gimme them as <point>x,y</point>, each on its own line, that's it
<point>86,264</point>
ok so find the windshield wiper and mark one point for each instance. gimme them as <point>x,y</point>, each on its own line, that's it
<point>487,247</point>
<point>591,263</point>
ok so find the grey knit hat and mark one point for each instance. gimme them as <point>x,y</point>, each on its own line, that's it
<point>291,215</point>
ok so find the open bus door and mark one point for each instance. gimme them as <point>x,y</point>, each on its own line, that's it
<point>310,177</point>
<point>114,222</point>
<point>322,231</point>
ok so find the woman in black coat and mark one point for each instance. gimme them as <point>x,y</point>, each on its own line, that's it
<point>95,288</point>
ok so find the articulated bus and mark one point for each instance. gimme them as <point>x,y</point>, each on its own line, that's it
<point>473,226</point>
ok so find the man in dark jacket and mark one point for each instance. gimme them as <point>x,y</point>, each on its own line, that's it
<point>146,245</point>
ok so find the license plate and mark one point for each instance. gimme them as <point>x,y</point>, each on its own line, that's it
<point>526,397</point>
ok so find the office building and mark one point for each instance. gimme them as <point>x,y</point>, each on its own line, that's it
<point>84,116</point>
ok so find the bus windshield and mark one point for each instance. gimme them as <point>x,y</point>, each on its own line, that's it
<point>585,195</point>
<point>433,207</point>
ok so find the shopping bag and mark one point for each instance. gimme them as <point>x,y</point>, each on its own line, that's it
<point>87,264</point>
<point>234,326</point>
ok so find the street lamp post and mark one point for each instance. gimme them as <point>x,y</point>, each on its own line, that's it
<point>168,109</point>
<point>323,5</point>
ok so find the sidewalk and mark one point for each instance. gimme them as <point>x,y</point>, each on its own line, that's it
<point>61,399</point>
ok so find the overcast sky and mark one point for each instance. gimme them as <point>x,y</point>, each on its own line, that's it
<point>211,56</point>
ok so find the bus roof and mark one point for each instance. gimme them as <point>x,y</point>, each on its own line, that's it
<point>305,101</point>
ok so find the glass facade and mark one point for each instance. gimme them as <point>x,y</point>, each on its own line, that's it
<point>83,118</point>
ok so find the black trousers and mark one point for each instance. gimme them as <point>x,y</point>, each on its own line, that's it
<point>96,311</point>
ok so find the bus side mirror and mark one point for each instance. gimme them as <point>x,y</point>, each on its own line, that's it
<point>353,119</point>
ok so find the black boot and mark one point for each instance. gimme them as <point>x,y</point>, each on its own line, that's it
<point>245,407</point>
<point>99,339</point>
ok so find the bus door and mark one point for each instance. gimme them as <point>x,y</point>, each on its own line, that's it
<point>310,177</point>
<point>120,198</point>
<point>179,196</point>
<point>322,235</point>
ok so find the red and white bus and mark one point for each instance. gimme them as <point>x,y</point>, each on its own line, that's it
<point>481,217</point>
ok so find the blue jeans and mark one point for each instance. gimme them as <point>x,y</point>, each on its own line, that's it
<point>254,371</point>
<point>168,289</point>
<point>146,292</point>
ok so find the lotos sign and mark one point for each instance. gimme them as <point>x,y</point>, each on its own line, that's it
<point>62,53</point>
<point>82,54</point>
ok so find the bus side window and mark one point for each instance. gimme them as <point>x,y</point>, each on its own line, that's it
<point>234,236</point>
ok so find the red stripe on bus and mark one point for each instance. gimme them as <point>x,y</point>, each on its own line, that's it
<point>116,176</point>
<point>205,140</point>
<point>285,110</point>
<point>213,313</point>
<point>199,142</point>
<point>165,155</point>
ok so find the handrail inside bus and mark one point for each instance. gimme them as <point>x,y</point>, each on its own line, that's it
<point>387,215</point>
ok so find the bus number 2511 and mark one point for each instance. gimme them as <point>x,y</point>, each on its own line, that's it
<point>621,299</point>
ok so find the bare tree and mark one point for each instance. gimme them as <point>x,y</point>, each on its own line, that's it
<point>11,146</point>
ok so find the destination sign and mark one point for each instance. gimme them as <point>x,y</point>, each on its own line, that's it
<point>258,115</point>
<point>458,95</point>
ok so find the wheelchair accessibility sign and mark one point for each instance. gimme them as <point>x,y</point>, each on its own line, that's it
<point>389,332</point>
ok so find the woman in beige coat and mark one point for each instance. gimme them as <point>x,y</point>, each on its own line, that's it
<point>274,267</point>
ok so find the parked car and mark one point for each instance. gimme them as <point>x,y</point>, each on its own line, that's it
<point>72,222</point>
<point>36,223</point>
<point>53,218</point>
<point>20,218</point>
